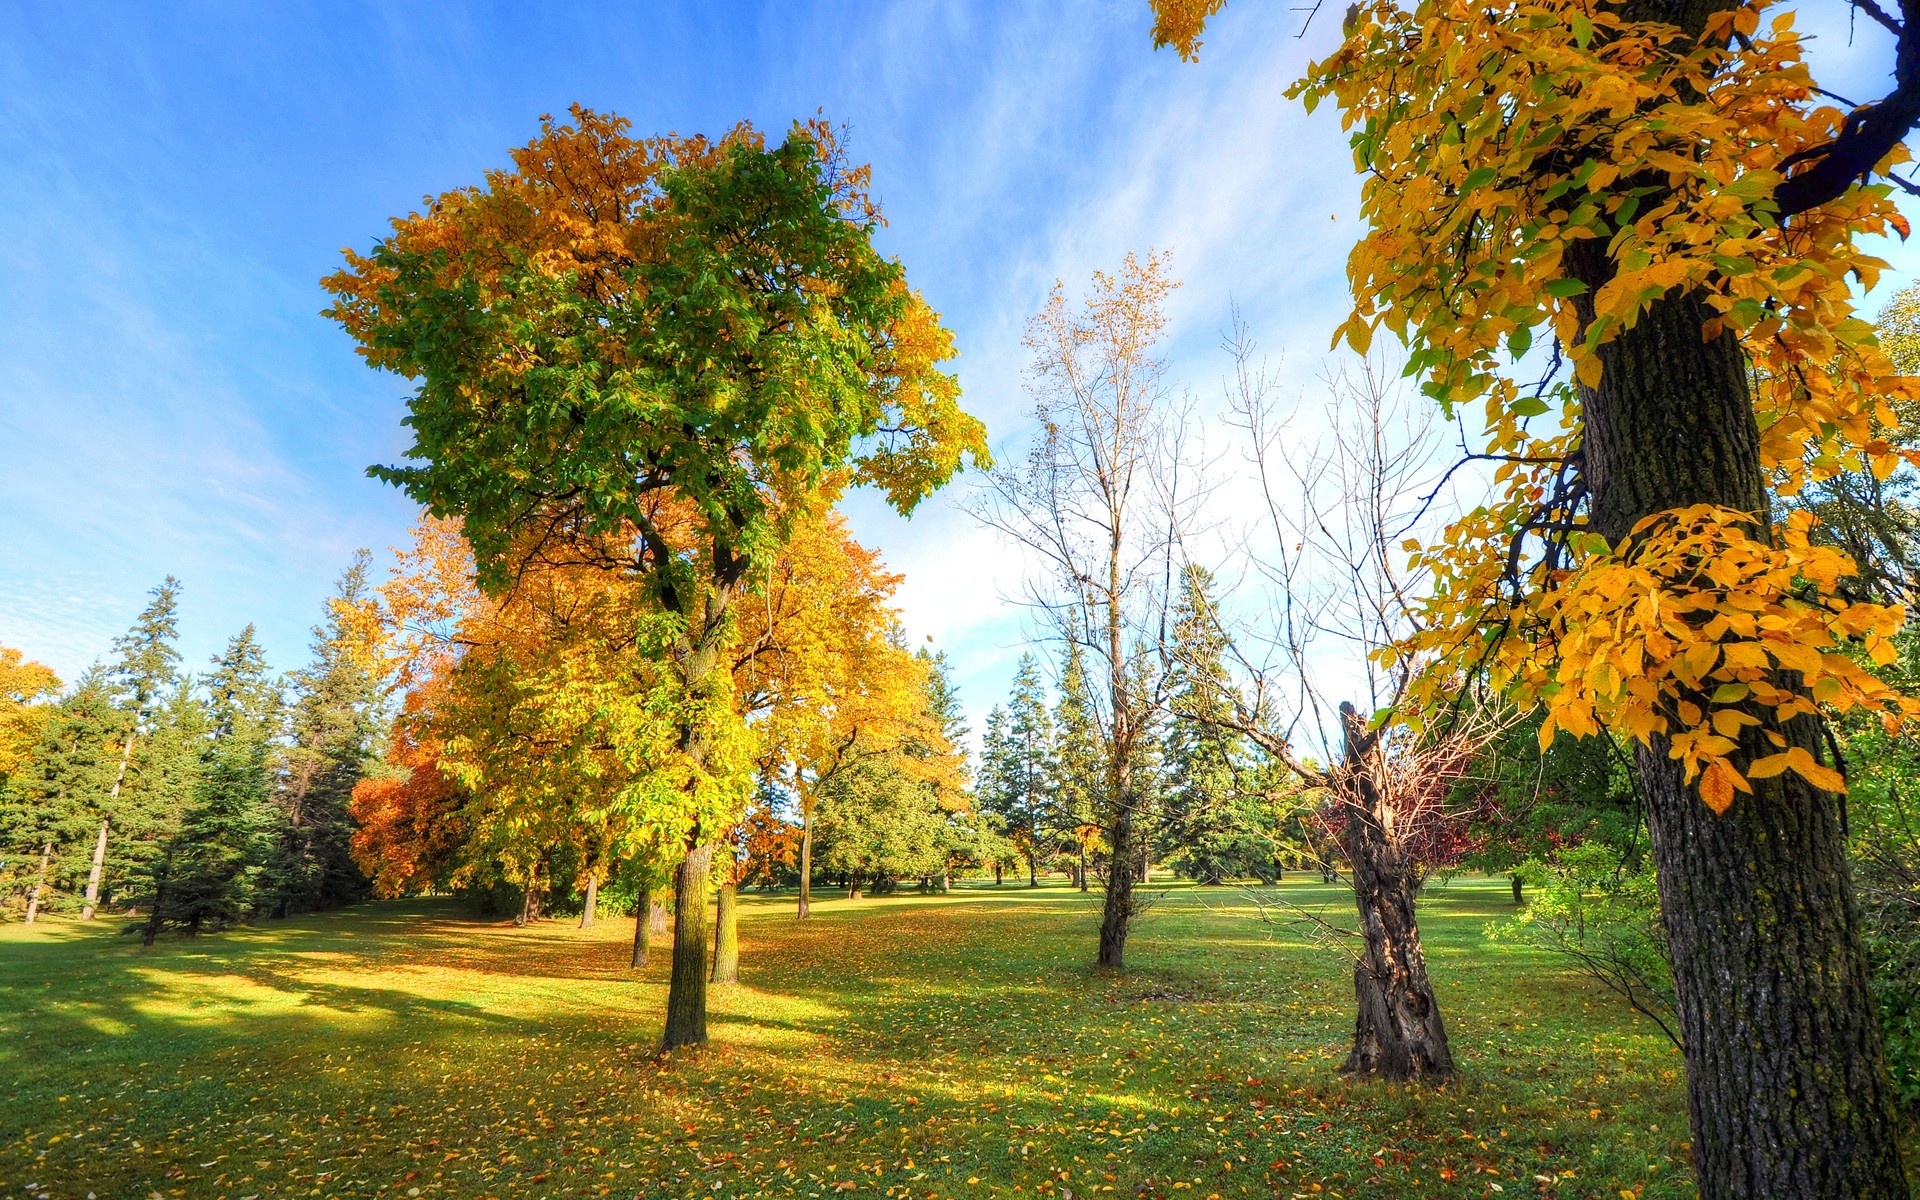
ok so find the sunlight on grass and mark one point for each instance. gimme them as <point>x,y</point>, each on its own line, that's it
<point>952,1046</point>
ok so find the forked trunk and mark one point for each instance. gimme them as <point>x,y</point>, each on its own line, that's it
<point>642,943</point>
<point>726,935</point>
<point>593,900</point>
<point>39,883</point>
<point>687,988</point>
<point>806,867</point>
<point>1117,914</point>
<point>1397,1032</point>
<point>1786,1075</point>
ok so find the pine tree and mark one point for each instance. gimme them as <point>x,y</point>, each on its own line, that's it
<point>145,674</point>
<point>1076,766</point>
<point>1016,776</point>
<point>1211,830</point>
<point>213,862</point>
<point>55,798</point>
<point>332,728</point>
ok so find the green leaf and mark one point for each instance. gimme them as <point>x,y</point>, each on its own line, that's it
<point>1479,177</point>
<point>1520,341</point>
<point>1566,289</point>
<point>1529,406</point>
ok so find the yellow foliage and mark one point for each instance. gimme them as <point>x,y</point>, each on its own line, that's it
<point>24,687</point>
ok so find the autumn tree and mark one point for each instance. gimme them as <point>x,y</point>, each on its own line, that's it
<point>656,349</point>
<point>1665,188</point>
<point>1085,505</point>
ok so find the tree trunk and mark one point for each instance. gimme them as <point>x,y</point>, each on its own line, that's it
<point>1083,866</point>
<point>1517,897</point>
<point>162,869</point>
<point>593,899</point>
<point>642,917</point>
<point>99,863</point>
<point>39,883</point>
<point>687,989</point>
<point>726,935</point>
<point>1786,1074</point>
<point>1117,915</point>
<point>853,885</point>
<point>656,917</point>
<point>1033,871</point>
<point>996,874</point>
<point>100,847</point>
<point>1397,1034</point>
<point>526,907</point>
<point>806,867</point>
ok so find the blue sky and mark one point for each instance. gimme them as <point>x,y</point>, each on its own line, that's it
<point>180,176</point>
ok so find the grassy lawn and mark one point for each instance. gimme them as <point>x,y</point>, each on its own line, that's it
<point>954,1046</point>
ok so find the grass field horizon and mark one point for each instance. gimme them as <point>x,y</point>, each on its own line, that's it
<point>929,1046</point>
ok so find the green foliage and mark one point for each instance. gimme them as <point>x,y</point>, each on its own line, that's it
<point>332,732</point>
<point>1016,767</point>
<point>1600,912</point>
<point>1214,826</point>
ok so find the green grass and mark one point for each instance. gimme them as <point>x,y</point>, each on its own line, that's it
<point>956,1046</point>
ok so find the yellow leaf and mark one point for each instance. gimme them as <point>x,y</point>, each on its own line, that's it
<point>1715,788</point>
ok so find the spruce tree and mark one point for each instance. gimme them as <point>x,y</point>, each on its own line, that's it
<point>1211,830</point>
<point>1017,775</point>
<point>55,797</point>
<point>1075,768</point>
<point>332,727</point>
<point>145,674</point>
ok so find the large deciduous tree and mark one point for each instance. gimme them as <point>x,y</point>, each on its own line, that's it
<point>651,352</point>
<point>1661,183</point>
<point>1085,505</point>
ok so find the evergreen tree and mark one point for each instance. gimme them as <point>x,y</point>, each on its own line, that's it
<point>1017,774</point>
<point>55,798</point>
<point>1211,830</point>
<point>145,674</point>
<point>211,866</point>
<point>1076,766</point>
<point>332,728</point>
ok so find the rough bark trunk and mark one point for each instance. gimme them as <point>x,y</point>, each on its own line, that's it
<point>642,917</point>
<point>687,989</point>
<point>1786,1075</point>
<point>39,883</point>
<point>1397,1034</point>
<point>1117,914</point>
<point>726,935</point>
<point>657,918</point>
<point>593,899</point>
<point>806,867</point>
